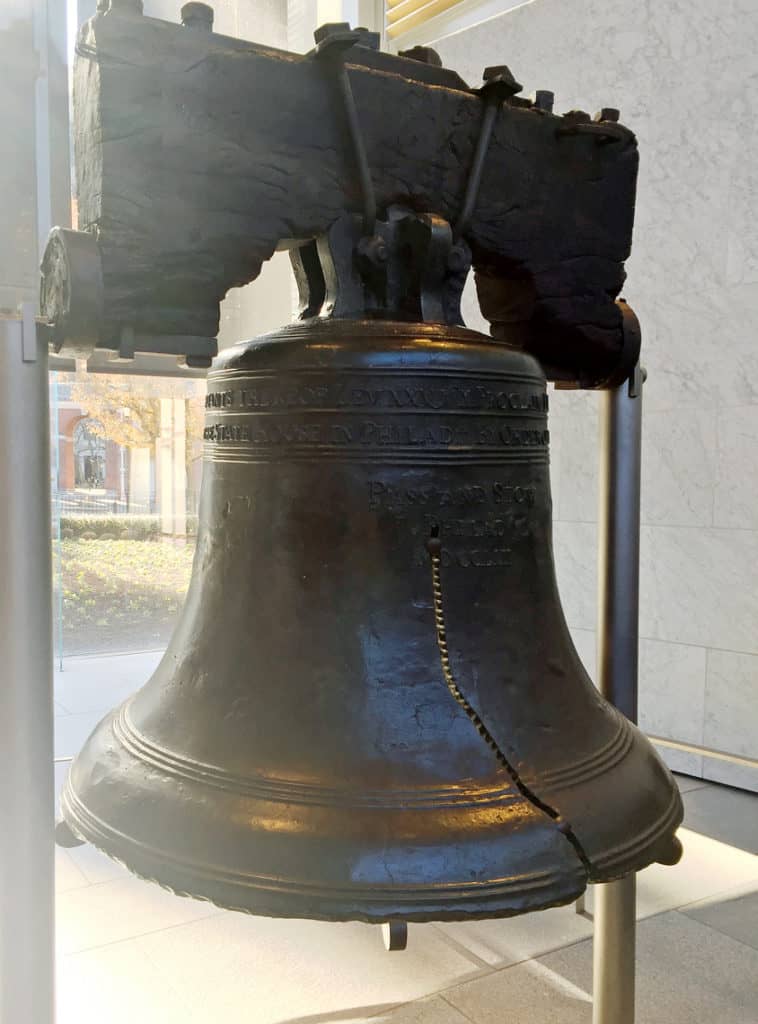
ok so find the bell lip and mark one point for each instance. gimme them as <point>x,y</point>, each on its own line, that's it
<point>370,905</point>
<point>658,846</point>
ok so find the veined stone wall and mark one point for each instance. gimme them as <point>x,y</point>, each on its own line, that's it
<point>684,76</point>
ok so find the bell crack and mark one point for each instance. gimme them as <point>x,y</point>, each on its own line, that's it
<point>434,547</point>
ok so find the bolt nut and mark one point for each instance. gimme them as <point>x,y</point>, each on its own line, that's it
<point>544,100</point>
<point>458,259</point>
<point>371,40</point>
<point>331,28</point>
<point>500,76</point>
<point>197,15</point>
<point>374,250</point>
<point>577,117</point>
<point>127,7</point>
<point>608,114</point>
<point>423,54</point>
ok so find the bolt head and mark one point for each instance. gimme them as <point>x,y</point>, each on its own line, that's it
<point>371,40</point>
<point>608,114</point>
<point>127,6</point>
<point>331,28</point>
<point>373,249</point>
<point>197,15</point>
<point>458,260</point>
<point>577,116</point>
<point>544,100</point>
<point>501,76</point>
<point>424,54</point>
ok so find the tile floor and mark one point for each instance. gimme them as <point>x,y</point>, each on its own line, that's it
<point>131,953</point>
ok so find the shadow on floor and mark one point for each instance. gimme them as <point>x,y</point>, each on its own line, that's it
<point>722,813</point>
<point>351,1013</point>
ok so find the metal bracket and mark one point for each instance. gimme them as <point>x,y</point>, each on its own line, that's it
<point>499,86</point>
<point>332,42</point>
<point>395,936</point>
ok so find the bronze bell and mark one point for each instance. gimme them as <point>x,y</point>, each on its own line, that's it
<point>372,708</point>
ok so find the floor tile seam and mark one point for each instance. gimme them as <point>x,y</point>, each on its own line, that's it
<point>457,1009</point>
<point>72,863</point>
<point>502,967</point>
<point>186,1003</point>
<point>669,910</point>
<point>715,928</point>
<point>390,1008</point>
<point>461,948</point>
<point>711,895</point>
<point>105,881</point>
<point>139,935</point>
<point>72,888</point>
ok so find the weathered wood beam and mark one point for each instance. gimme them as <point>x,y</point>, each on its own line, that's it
<point>198,155</point>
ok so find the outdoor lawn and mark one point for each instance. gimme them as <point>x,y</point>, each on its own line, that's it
<point>119,594</point>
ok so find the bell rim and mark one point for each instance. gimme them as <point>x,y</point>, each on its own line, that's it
<point>475,900</point>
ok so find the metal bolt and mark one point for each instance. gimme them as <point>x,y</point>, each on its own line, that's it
<point>371,40</point>
<point>197,15</point>
<point>373,250</point>
<point>544,100</point>
<point>458,259</point>
<point>577,116</point>
<point>423,54</point>
<point>608,114</point>
<point>500,76</point>
<point>127,6</point>
<point>331,28</point>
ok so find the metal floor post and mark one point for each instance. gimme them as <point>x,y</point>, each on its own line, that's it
<point>618,634</point>
<point>27,883</point>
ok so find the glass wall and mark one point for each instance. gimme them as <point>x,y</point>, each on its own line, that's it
<point>126,465</point>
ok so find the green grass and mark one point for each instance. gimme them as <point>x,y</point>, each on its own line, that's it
<point>121,595</point>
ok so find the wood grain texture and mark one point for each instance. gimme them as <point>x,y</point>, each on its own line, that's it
<point>198,155</point>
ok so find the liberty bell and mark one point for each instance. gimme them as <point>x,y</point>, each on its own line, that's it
<point>371,708</point>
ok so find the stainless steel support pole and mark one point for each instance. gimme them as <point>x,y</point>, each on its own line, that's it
<point>26,693</point>
<point>617,647</point>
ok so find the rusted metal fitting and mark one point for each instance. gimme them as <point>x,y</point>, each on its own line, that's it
<point>197,15</point>
<point>499,83</point>
<point>127,7</point>
<point>544,100</point>
<point>373,250</point>
<point>423,54</point>
<point>335,36</point>
<point>608,114</point>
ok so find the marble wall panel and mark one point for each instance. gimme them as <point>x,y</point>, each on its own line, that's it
<point>672,690</point>
<point>679,467</point>
<point>682,761</point>
<point>731,708</point>
<point>697,587</point>
<point>736,497</point>
<point>684,77</point>
<point>728,774</point>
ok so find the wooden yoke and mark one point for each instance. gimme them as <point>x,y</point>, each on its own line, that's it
<point>199,155</point>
